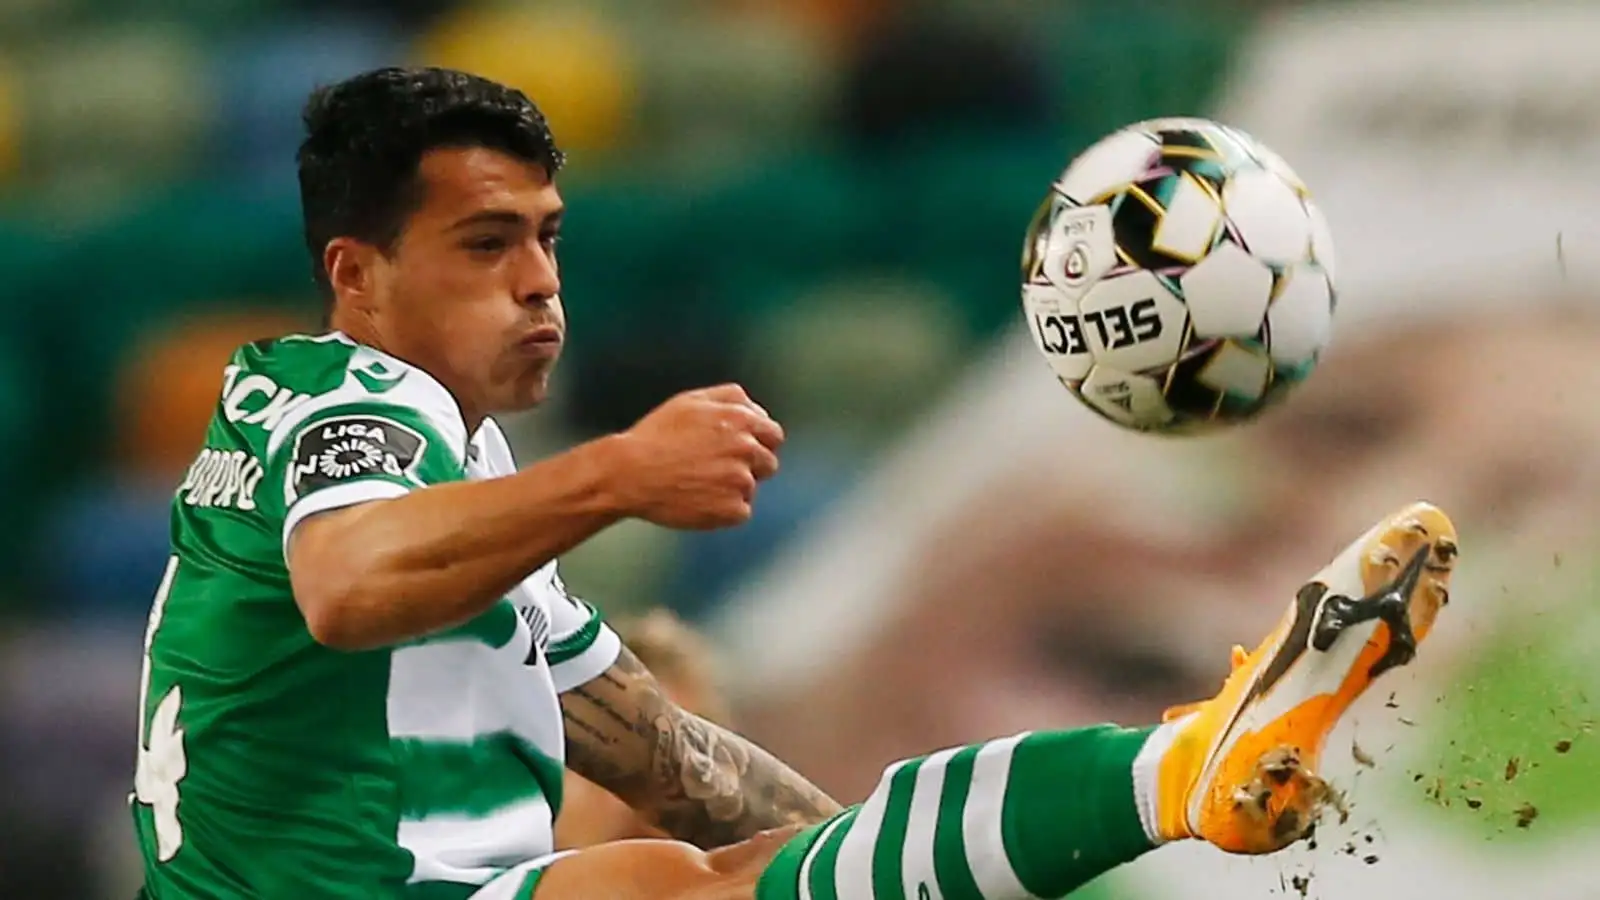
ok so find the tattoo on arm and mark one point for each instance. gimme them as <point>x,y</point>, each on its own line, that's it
<point>696,780</point>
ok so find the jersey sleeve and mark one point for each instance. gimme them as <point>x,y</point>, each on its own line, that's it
<point>356,452</point>
<point>582,645</point>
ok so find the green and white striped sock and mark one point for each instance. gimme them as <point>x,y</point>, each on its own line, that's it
<point>1036,815</point>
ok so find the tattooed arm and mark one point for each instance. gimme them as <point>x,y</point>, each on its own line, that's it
<point>695,780</point>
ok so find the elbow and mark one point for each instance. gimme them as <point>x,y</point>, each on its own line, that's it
<point>331,585</point>
<point>336,626</point>
<point>333,605</point>
<point>333,617</point>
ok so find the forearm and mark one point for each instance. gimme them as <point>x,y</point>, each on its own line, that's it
<point>696,780</point>
<point>716,788</point>
<point>389,571</point>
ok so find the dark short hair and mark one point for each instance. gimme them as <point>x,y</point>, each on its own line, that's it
<point>365,137</point>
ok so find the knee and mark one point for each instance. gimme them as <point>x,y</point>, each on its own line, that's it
<point>652,870</point>
<point>753,854</point>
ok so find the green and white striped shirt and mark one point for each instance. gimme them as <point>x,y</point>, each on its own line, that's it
<point>270,765</point>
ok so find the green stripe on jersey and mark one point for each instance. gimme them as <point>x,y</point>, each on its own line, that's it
<point>573,645</point>
<point>494,627</point>
<point>474,778</point>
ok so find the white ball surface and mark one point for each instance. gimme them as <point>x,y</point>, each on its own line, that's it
<point>1270,217</point>
<point>1300,320</point>
<point>1227,293</point>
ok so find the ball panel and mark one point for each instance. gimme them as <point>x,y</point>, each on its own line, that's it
<point>1133,401</point>
<point>1107,166</point>
<point>1277,390</point>
<point>1177,124</point>
<point>1197,139</point>
<point>1300,319</point>
<point>1226,149</point>
<point>1271,161</point>
<point>1193,215</point>
<point>1269,216</point>
<point>1080,249</point>
<point>1291,374</point>
<point>1321,241</point>
<point>1135,214</point>
<point>1133,322</point>
<point>1057,332</point>
<point>1238,372</point>
<point>1227,293</point>
<point>1187,396</point>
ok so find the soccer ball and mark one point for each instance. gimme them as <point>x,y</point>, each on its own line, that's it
<point>1178,277</point>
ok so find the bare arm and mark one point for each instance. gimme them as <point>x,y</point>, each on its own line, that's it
<point>697,781</point>
<point>390,570</point>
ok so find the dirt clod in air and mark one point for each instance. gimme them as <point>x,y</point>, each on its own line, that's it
<point>1526,813</point>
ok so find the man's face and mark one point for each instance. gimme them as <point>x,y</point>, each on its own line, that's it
<point>471,291</point>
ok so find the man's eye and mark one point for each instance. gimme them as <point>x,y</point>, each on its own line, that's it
<point>549,241</point>
<point>487,245</point>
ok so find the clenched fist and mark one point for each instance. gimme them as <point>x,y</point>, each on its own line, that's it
<point>695,460</point>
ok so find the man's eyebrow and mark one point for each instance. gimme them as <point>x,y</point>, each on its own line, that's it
<point>491,217</point>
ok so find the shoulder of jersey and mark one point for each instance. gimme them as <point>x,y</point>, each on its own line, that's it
<point>305,364</point>
<point>269,381</point>
<point>331,371</point>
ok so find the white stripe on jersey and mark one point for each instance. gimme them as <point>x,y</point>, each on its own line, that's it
<point>475,850</point>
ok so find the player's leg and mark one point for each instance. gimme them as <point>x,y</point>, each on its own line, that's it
<point>1041,814</point>
<point>1038,815</point>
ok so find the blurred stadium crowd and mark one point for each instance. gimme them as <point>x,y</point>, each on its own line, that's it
<point>822,199</point>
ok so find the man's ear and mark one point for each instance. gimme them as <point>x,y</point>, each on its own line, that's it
<point>353,269</point>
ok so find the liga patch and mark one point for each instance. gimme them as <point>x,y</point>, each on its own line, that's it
<point>347,448</point>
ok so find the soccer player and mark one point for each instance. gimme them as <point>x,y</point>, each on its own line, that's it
<point>362,674</point>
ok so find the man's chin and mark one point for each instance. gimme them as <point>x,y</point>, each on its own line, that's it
<point>514,390</point>
<point>528,395</point>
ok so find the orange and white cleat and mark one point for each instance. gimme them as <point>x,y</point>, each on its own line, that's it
<point>1240,768</point>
